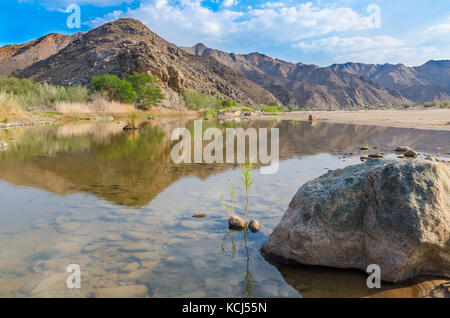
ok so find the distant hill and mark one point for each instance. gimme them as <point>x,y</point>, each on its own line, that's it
<point>14,58</point>
<point>125,46</point>
<point>428,82</point>
<point>304,85</point>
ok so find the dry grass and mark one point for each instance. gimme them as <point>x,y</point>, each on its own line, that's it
<point>10,107</point>
<point>96,105</point>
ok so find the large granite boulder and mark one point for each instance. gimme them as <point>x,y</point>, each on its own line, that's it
<point>394,213</point>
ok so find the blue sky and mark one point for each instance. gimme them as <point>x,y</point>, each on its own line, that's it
<point>318,32</point>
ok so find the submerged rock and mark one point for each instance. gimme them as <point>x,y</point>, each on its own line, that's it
<point>236,223</point>
<point>254,226</point>
<point>199,215</point>
<point>394,213</point>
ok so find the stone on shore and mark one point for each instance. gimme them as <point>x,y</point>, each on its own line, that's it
<point>394,213</point>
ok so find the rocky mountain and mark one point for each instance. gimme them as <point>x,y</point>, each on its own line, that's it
<point>428,82</point>
<point>304,85</point>
<point>14,58</point>
<point>125,46</point>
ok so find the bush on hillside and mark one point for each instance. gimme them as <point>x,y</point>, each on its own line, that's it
<point>148,94</point>
<point>115,88</point>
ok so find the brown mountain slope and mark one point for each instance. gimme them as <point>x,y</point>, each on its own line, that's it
<point>428,82</point>
<point>126,45</point>
<point>14,58</point>
<point>304,85</point>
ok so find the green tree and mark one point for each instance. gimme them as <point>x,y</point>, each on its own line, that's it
<point>148,94</point>
<point>114,87</point>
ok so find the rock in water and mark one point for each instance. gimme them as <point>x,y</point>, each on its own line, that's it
<point>254,226</point>
<point>394,213</point>
<point>411,154</point>
<point>236,223</point>
<point>402,149</point>
<point>199,215</point>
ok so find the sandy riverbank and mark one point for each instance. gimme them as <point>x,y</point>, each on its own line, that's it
<point>414,118</point>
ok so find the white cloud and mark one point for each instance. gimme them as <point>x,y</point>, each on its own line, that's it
<point>437,34</point>
<point>329,29</point>
<point>349,44</point>
<point>229,3</point>
<point>438,30</point>
<point>410,56</point>
<point>187,22</point>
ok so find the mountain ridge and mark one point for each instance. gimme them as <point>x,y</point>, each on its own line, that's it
<point>126,45</point>
<point>304,85</point>
<point>14,58</point>
<point>420,84</point>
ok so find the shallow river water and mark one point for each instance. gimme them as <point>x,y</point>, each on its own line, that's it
<point>114,203</point>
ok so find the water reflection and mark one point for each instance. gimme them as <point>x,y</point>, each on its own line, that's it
<point>114,203</point>
<point>248,283</point>
<point>131,168</point>
<point>315,281</point>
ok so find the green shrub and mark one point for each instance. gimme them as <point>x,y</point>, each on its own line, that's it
<point>197,101</point>
<point>444,104</point>
<point>148,94</point>
<point>430,104</point>
<point>272,109</point>
<point>228,102</point>
<point>247,109</point>
<point>114,87</point>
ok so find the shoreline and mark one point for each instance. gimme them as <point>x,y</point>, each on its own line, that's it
<point>429,119</point>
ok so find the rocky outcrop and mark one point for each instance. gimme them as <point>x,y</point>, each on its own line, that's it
<point>394,213</point>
